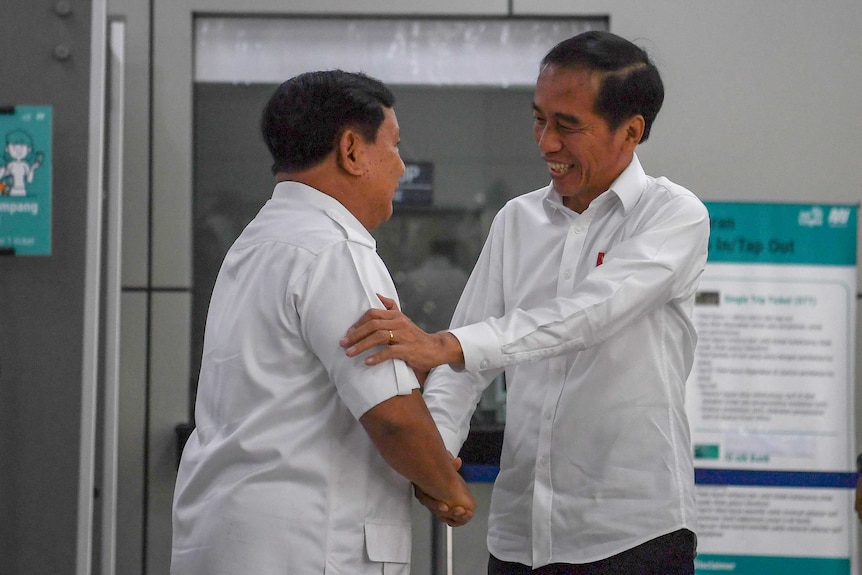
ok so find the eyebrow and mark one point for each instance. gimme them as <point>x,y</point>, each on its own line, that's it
<point>568,118</point>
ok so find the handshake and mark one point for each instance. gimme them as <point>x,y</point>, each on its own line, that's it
<point>454,515</point>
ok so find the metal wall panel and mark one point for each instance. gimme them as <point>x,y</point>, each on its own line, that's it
<point>131,466</point>
<point>168,406</point>
<point>45,61</point>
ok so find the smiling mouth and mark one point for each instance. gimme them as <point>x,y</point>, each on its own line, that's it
<point>558,168</point>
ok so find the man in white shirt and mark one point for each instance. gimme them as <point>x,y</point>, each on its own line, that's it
<point>302,458</point>
<point>583,295</point>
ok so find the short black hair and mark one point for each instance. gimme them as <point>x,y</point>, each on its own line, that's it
<point>631,83</point>
<point>306,115</point>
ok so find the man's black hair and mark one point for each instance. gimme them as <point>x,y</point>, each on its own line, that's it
<point>306,115</point>
<point>631,83</point>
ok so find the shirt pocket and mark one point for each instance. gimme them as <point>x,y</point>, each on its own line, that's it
<point>388,541</point>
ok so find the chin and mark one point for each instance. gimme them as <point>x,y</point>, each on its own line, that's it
<point>383,218</point>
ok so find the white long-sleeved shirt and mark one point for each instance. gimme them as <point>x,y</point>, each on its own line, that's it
<point>590,317</point>
<point>279,476</point>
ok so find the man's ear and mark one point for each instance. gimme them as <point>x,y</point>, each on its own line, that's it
<point>350,152</point>
<point>635,130</point>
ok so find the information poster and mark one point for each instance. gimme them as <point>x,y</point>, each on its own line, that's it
<point>770,397</point>
<point>25,180</point>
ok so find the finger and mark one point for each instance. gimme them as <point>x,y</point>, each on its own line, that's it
<point>377,339</point>
<point>433,505</point>
<point>456,463</point>
<point>369,318</point>
<point>439,508</point>
<point>366,317</point>
<point>456,521</point>
<point>373,330</point>
<point>457,515</point>
<point>466,519</point>
<point>458,511</point>
<point>388,303</point>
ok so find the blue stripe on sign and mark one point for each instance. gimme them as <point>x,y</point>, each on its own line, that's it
<point>477,473</point>
<point>775,478</point>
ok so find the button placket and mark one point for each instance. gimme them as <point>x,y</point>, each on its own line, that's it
<point>571,255</point>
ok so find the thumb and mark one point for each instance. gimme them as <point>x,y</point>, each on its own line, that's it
<point>387,303</point>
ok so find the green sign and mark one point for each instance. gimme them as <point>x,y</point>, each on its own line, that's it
<point>25,180</point>
<point>793,234</point>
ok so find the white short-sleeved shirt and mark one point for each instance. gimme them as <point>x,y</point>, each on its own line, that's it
<point>590,317</point>
<point>279,476</point>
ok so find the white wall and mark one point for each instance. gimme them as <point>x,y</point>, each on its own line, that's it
<point>761,105</point>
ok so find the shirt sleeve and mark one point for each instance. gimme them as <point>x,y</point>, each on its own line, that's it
<point>658,264</point>
<point>342,284</point>
<point>452,395</point>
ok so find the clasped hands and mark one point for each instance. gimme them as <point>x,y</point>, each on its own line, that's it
<point>454,516</point>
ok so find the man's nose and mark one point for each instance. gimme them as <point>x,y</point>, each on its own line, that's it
<point>548,140</point>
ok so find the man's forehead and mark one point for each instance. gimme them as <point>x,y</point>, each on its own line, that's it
<point>390,119</point>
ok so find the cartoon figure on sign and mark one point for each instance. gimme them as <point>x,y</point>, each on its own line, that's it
<point>19,163</point>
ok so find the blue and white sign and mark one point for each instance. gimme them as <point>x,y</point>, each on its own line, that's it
<point>770,398</point>
<point>25,180</point>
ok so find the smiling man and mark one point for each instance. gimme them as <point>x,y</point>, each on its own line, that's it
<point>583,294</point>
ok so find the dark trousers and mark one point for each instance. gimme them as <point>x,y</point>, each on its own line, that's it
<point>671,554</point>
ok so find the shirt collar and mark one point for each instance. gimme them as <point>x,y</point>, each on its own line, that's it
<point>291,191</point>
<point>630,184</point>
<point>628,187</point>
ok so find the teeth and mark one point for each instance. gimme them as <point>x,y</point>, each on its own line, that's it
<point>559,168</point>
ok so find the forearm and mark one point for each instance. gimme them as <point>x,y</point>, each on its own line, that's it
<point>404,433</point>
<point>452,397</point>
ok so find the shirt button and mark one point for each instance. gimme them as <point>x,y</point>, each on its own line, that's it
<point>577,230</point>
<point>484,364</point>
<point>567,275</point>
<point>549,414</point>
